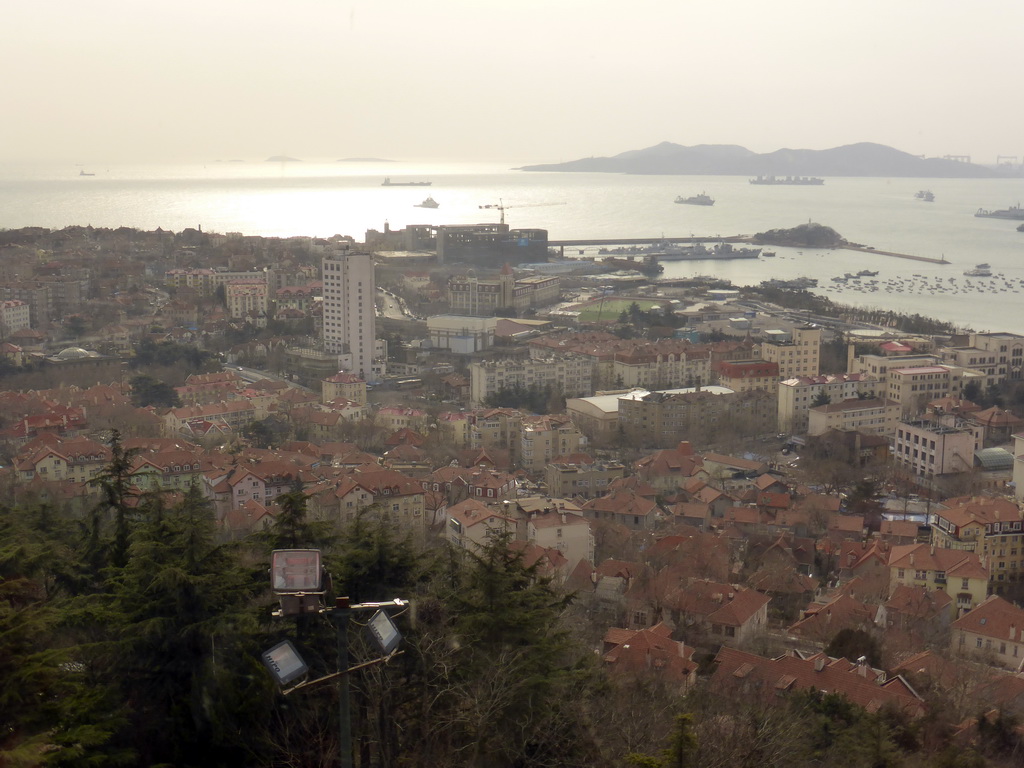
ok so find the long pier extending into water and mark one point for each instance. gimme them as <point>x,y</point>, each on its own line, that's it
<point>638,241</point>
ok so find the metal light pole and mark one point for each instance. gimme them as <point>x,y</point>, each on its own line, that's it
<point>340,616</point>
<point>297,580</point>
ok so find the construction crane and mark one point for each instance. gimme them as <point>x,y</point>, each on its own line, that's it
<point>502,207</point>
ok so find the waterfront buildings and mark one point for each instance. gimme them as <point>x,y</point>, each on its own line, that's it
<point>349,308</point>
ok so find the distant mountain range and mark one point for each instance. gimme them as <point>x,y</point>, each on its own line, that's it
<point>864,159</point>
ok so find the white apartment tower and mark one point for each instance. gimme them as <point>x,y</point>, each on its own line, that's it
<point>350,309</point>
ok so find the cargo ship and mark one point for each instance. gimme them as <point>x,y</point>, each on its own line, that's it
<point>389,183</point>
<point>1013,212</point>
<point>800,181</point>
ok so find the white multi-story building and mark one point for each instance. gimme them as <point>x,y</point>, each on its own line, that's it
<point>14,315</point>
<point>930,449</point>
<point>349,308</point>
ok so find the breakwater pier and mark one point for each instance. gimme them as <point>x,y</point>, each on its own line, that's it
<point>584,243</point>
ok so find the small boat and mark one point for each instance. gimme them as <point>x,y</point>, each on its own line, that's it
<point>428,203</point>
<point>389,183</point>
<point>866,273</point>
<point>768,254</point>
<point>980,270</point>
<point>926,195</point>
<point>83,173</point>
<point>701,199</point>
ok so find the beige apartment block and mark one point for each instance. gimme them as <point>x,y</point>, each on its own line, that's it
<point>797,395</point>
<point>246,299</point>
<point>914,387</point>
<point>990,527</point>
<point>344,385</point>
<point>996,356</point>
<point>800,356</point>
<point>872,417</point>
<point>544,438</point>
<point>569,480</point>
<point>569,376</point>
<point>567,532</point>
<point>747,375</point>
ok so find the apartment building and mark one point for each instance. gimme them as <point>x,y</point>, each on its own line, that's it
<point>874,416</point>
<point>746,375</point>
<point>247,299</point>
<point>349,308</point>
<point>991,527</point>
<point>997,356</point>
<point>14,315</point>
<point>544,438</point>
<point>798,394</point>
<point>914,387</point>
<point>569,376</point>
<point>960,574</point>
<point>566,480</point>
<point>800,355</point>
<point>343,385</point>
<point>665,418</point>
<point>652,367</point>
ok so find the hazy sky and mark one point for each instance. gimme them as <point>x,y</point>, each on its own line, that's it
<point>517,81</point>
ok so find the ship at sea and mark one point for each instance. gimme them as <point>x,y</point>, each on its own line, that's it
<point>1013,212</point>
<point>980,270</point>
<point>800,181</point>
<point>926,195</point>
<point>701,199</point>
<point>428,203</point>
<point>666,251</point>
<point>389,183</point>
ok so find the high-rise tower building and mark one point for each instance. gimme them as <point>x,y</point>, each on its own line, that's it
<point>350,309</point>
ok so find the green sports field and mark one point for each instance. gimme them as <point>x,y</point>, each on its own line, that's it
<point>608,310</point>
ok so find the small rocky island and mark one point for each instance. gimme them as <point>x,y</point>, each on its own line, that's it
<point>806,235</point>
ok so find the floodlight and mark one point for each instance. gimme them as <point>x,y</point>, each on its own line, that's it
<point>384,631</point>
<point>284,663</point>
<point>295,571</point>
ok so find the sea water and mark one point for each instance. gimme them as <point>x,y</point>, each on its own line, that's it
<point>326,198</point>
